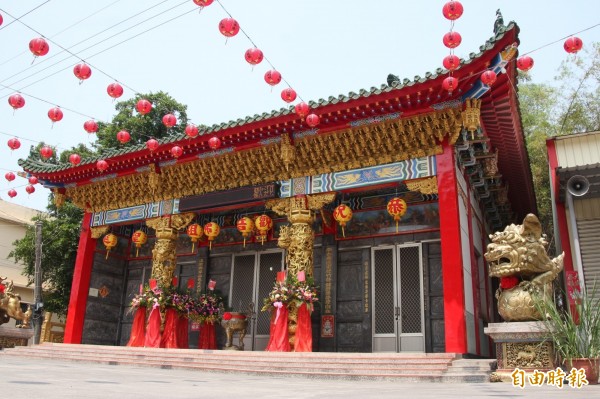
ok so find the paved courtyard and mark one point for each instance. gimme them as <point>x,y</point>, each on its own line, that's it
<point>54,379</point>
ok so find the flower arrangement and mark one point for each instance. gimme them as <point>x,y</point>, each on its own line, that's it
<point>208,307</point>
<point>292,290</point>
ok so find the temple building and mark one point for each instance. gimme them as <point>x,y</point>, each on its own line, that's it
<point>456,158</point>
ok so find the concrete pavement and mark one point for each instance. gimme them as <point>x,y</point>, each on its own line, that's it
<point>55,379</point>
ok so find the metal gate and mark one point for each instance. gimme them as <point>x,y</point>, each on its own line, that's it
<point>397,286</point>
<point>253,275</point>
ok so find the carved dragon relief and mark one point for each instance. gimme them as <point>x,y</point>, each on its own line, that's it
<point>298,238</point>
<point>519,253</point>
<point>164,253</point>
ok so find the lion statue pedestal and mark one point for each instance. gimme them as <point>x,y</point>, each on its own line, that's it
<point>518,257</point>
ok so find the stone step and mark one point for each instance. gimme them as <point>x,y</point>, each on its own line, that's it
<point>258,362</point>
<point>408,367</point>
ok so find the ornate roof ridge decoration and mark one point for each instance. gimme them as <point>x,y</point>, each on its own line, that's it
<point>351,148</point>
<point>33,165</point>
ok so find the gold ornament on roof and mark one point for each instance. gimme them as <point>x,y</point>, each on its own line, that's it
<point>288,151</point>
<point>424,186</point>
<point>471,114</point>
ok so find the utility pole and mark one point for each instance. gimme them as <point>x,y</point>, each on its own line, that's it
<point>37,291</point>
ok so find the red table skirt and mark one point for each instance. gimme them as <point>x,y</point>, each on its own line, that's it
<point>208,337</point>
<point>279,338</point>
<point>138,328</point>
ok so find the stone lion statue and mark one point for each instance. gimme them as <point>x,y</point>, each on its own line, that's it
<point>519,258</point>
<point>10,305</point>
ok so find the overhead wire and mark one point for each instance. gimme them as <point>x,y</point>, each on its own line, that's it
<point>19,18</point>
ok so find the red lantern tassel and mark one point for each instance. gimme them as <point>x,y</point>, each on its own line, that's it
<point>193,246</point>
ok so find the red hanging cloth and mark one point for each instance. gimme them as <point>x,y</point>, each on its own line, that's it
<point>303,341</point>
<point>169,335</point>
<point>182,332</point>
<point>152,339</point>
<point>279,339</point>
<point>138,328</point>
<point>208,338</point>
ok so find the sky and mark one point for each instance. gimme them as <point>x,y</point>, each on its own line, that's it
<point>321,48</point>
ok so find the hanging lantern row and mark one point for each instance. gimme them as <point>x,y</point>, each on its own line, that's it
<point>139,238</point>
<point>396,207</point>
<point>263,224</point>
<point>245,225</point>
<point>342,214</point>
<point>110,241</point>
<point>452,10</point>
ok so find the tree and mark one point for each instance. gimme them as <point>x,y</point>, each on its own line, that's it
<point>60,238</point>
<point>141,127</point>
<point>548,111</point>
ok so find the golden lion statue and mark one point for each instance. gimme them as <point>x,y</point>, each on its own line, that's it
<point>10,305</point>
<point>519,258</point>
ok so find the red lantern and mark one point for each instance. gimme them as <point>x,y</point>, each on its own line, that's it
<point>169,120</point>
<point>10,176</point>
<point>525,63</point>
<point>451,62</point>
<point>245,225</point>
<point>450,83</point>
<point>123,136</point>
<point>90,126</point>
<point>194,231</point>
<point>33,180</point>
<point>263,224</point>
<point>114,90</point>
<point>288,95</point>
<point>39,47</point>
<point>139,238</point>
<point>82,71</point>
<point>203,3</point>
<point>176,151</point>
<point>75,159</point>
<point>214,142</point>
<point>143,106</point>
<point>312,120</point>
<point>16,101</point>
<point>152,145</point>
<point>30,189</point>
<point>12,193</point>
<point>342,214</point>
<point>102,165</point>
<point>301,109</point>
<point>254,56</point>
<point>1,19</point>
<point>110,241</point>
<point>211,230</point>
<point>452,39</point>
<point>55,114</point>
<point>488,77</point>
<point>452,10</point>
<point>14,143</point>
<point>46,152</point>
<point>573,45</point>
<point>191,130</point>
<point>272,77</point>
<point>397,208</point>
<point>229,27</point>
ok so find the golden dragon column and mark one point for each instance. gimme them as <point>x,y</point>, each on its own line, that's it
<point>164,254</point>
<point>298,239</point>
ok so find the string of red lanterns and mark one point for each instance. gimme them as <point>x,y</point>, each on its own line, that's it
<point>452,10</point>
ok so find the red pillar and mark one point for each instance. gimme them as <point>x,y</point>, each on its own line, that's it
<point>81,283</point>
<point>561,213</point>
<point>452,270</point>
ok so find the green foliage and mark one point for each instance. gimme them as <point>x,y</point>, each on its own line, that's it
<point>141,127</point>
<point>548,111</point>
<point>574,336</point>
<point>60,238</point>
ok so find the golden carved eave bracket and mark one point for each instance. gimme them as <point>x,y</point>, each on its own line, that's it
<point>424,186</point>
<point>345,149</point>
<point>99,231</point>
<point>167,226</point>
